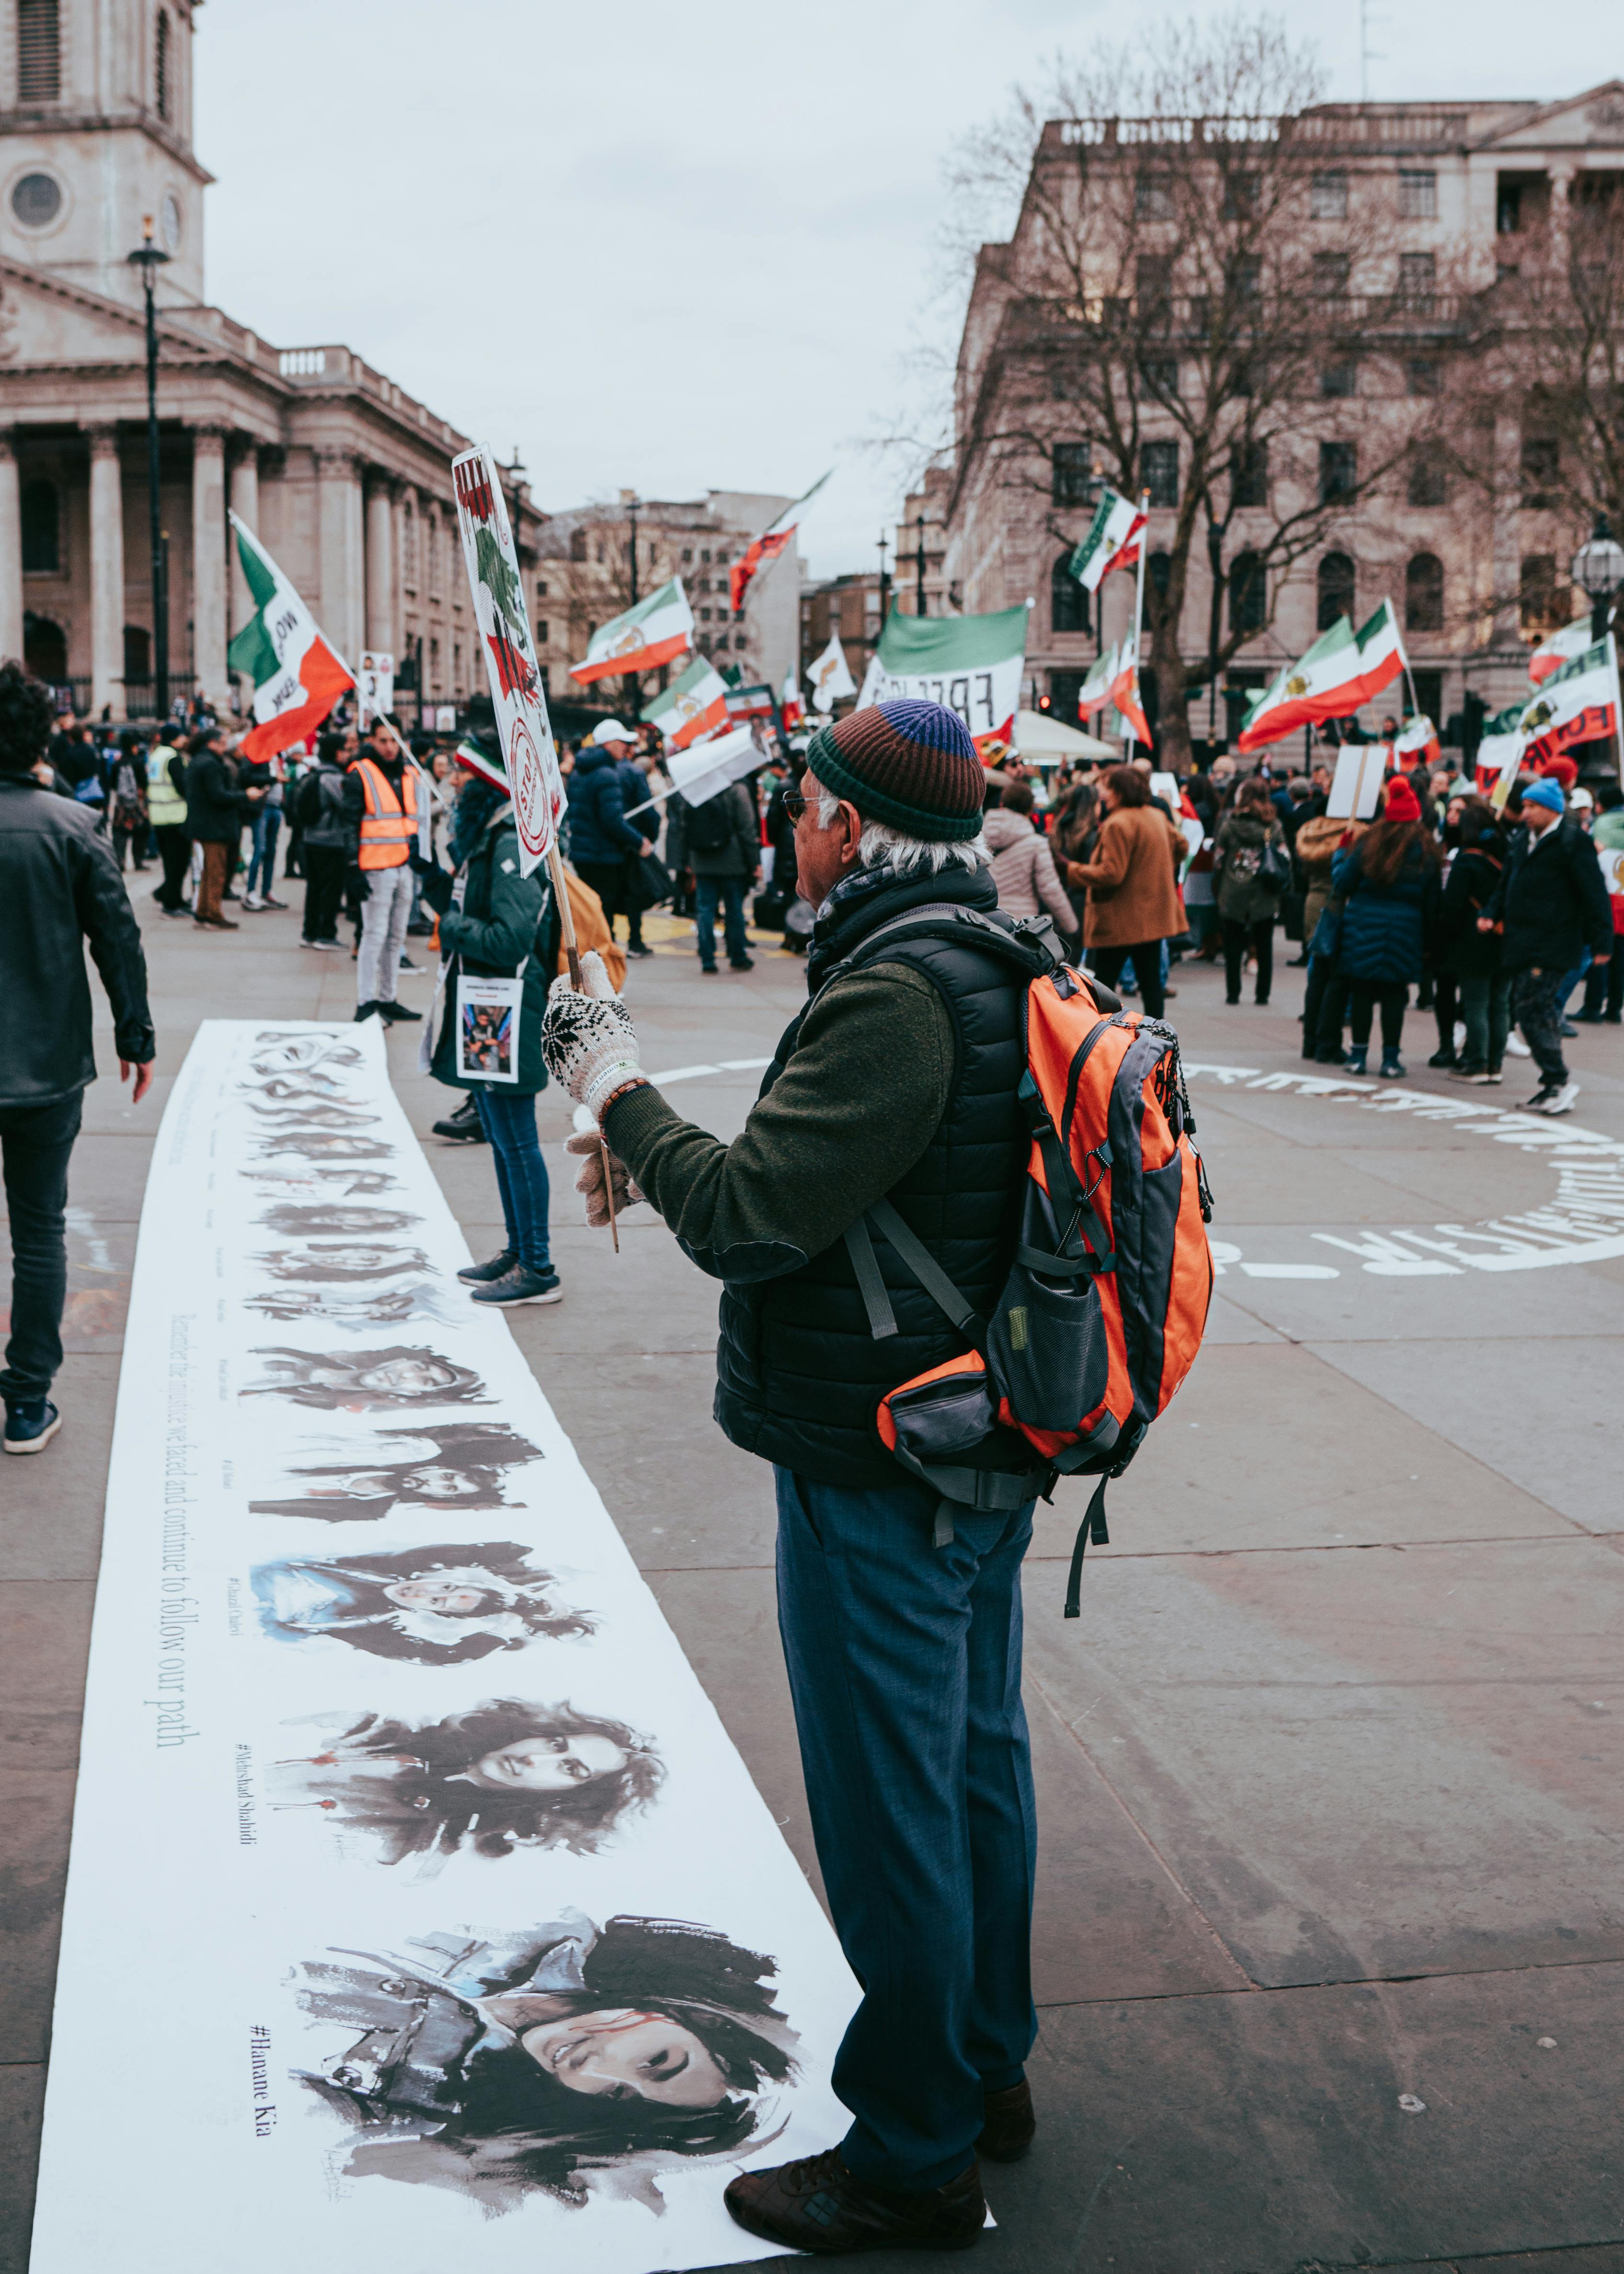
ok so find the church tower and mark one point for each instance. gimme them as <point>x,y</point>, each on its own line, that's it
<point>95,133</point>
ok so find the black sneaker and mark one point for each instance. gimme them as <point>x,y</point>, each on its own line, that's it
<point>638,947</point>
<point>30,1423</point>
<point>366,1010</point>
<point>740,963</point>
<point>522,1286</point>
<point>498,1268</point>
<point>392,1014</point>
<point>462,1127</point>
<point>1441,1059</point>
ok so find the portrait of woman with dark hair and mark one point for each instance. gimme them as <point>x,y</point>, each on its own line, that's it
<point>360,1307</point>
<point>330,1221</point>
<point>446,1606</point>
<point>323,1145</point>
<point>366,1381</point>
<point>278,1052</point>
<point>462,1465</point>
<point>563,2059</point>
<point>330,1266</point>
<point>325,1113</point>
<point>504,1775</point>
<point>316,1182</point>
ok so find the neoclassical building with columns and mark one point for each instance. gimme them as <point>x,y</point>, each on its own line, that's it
<point>342,475</point>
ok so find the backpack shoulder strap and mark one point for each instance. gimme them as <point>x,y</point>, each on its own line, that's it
<point>1029,945</point>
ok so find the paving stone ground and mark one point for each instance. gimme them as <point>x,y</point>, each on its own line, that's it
<point>1329,1770</point>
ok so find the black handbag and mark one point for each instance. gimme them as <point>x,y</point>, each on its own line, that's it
<point>1273,870</point>
<point>649,881</point>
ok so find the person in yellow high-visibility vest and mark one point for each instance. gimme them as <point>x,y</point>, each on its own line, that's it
<point>381,795</point>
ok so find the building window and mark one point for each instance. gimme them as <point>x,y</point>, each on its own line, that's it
<point>541,589</point>
<point>1338,470</point>
<point>1327,196</point>
<point>1070,474</point>
<point>137,656</point>
<point>1423,594</point>
<point>45,649</point>
<point>688,555</point>
<point>1508,207</point>
<point>434,667</point>
<point>722,560</point>
<point>1153,197</point>
<point>544,632</point>
<point>1246,594</point>
<point>456,667</point>
<point>1246,277</point>
<point>704,555</point>
<point>1424,375</point>
<point>1542,467</point>
<point>1240,196</point>
<point>1428,479</point>
<point>41,520</point>
<point>1335,582</point>
<point>704,642</point>
<point>160,60</point>
<point>1159,571</point>
<point>546,679</point>
<point>1331,270</point>
<point>1339,379</point>
<point>433,552</point>
<point>577,545</point>
<point>1429,686</point>
<point>704,615</point>
<point>1418,196</point>
<point>1249,474</point>
<point>1158,378</point>
<point>39,51</point>
<point>1537,596</point>
<point>1152,279</point>
<point>36,200</point>
<point>1159,471</point>
<point>1068,601</point>
<point>409,546</point>
<point>1418,281</point>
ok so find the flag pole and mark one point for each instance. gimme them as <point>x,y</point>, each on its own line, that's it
<point>1129,737</point>
<point>571,953</point>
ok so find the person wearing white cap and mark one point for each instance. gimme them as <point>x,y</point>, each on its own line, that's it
<point>601,839</point>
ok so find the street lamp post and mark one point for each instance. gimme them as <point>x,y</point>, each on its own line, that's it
<point>1598,569</point>
<point>149,258</point>
<point>919,561</point>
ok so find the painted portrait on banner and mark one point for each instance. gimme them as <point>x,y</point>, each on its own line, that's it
<point>449,1605</point>
<point>458,1463</point>
<point>366,1382</point>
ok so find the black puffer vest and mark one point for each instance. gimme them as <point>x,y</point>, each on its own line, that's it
<point>799,1374</point>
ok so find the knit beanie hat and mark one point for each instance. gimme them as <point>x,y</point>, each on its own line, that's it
<point>1401,804</point>
<point>911,766</point>
<point>1546,793</point>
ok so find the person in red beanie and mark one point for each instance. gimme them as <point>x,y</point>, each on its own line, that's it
<point>1389,883</point>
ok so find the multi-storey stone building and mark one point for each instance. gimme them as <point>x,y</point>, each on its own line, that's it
<point>342,474</point>
<point>1473,195</point>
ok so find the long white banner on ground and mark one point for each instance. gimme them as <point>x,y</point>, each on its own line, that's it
<point>420,1911</point>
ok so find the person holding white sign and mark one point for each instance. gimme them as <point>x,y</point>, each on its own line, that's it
<point>500,946</point>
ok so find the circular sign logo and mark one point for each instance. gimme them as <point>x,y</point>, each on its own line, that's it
<point>524,775</point>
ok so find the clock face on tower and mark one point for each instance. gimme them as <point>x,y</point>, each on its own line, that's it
<point>168,222</point>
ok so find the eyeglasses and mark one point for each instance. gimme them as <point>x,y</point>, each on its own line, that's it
<point>795,803</point>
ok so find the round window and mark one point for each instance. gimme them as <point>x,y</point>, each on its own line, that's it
<point>170,222</point>
<point>37,200</point>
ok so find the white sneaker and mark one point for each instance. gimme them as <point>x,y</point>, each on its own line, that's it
<point>1516,1048</point>
<point>252,900</point>
<point>1557,1101</point>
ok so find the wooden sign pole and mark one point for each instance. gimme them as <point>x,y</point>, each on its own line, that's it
<point>560,893</point>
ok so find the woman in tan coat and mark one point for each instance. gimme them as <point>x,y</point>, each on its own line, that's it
<point>1132,882</point>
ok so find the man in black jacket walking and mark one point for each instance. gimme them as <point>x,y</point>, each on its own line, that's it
<point>1551,902</point>
<point>59,886</point>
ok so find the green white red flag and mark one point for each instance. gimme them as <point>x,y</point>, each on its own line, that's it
<point>1343,669</point>
<point>973,665</point>
<point>1577,704</point>
<point>1125,691</point>
<point>1559,648</point>
<point>1417,743</point>
<point>791,710</point>
<point>1499,753</point>
<point>1112,542</point>
<point>1095,691</point>
<point>691,707</point>
<point>298,675</point>
<point>768,546</point>
<point>645,636</point>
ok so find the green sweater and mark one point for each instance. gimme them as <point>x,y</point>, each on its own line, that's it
<point>852,1110</point>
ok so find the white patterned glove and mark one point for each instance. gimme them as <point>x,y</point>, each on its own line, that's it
<point>589,1149</point>
<point>588,1040</point>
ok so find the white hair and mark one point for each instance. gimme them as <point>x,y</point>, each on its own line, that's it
<point>879,846</point>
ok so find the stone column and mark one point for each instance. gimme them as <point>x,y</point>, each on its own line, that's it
<point>11,554</point>
<point>380,577</point>
<point>208,562</point>
<point>1506,632</point>
<point>245,506</point>
<point>107,574</point>
<point>342,566</point>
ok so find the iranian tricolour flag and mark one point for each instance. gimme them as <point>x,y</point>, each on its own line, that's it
<point>1499,753</point>
<point>1578,704</point>
<point>768,546</point>
<point>692,706</point>
<point>1417,743</point>
<point>1341,670</point>
<point>297,676</point>
<point>1112,542</point>
<point>1560,648</point>
<point>1124,690</point>
<point>1095,691</point>
<point>971,664</point>
<point>648,634</point>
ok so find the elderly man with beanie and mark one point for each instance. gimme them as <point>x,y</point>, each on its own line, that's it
<point>888,1141</point>
<point>1551,904</point>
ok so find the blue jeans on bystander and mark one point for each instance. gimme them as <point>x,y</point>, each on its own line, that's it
<point>262,866</point>
<point>730,890</point>
<point>509,1118</point>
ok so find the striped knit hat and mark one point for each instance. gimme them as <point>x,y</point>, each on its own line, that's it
<point>911,766</point>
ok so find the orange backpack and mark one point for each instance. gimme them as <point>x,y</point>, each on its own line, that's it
<point>1106,1301</point>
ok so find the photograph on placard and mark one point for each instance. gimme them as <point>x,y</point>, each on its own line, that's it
<point>570,2058</point>
<point>449,1605</point>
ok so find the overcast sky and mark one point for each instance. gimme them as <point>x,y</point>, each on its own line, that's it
<point>677,248</point>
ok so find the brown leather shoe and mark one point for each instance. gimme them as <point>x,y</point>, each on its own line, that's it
<point>816,2204</point>
<point>1010,2124</point>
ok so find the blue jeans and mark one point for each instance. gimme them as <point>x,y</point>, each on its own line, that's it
<point>37,1141</point>
<point>904,1665</point>
<point>262,867</point>
<point>731,892</point>
<point>508,1120</point>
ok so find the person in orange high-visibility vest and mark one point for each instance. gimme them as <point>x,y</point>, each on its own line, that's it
<point>381,803</point>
